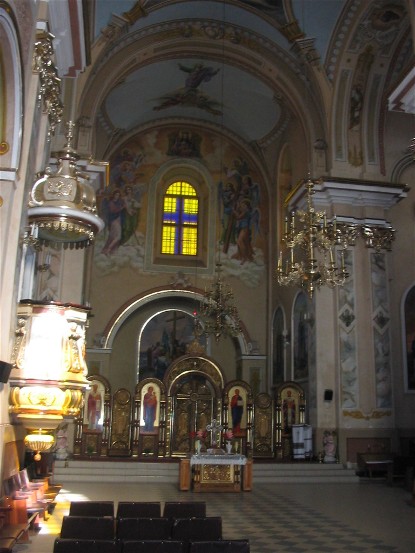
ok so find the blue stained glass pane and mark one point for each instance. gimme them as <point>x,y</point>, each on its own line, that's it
<point>190,218</point>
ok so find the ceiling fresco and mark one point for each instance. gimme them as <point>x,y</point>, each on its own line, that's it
<point>205,88</point>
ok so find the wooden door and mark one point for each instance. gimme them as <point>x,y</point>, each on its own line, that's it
<point>193,408</point>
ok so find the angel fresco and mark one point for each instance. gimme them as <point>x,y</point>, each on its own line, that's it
<point>240,211</point>
<point>121,208</point>
<point>190,95</point>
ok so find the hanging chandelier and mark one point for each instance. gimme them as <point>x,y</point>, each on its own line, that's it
<point>62,206</point>
<point>316,239</point>
<point>220,315</point>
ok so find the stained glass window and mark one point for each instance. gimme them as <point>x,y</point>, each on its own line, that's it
<point>180,220</point>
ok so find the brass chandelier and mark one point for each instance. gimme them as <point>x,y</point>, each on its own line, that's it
<point>316,238</point>
<point>218,311</point>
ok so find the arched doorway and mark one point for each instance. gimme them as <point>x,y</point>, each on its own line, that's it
<point>194,388</point>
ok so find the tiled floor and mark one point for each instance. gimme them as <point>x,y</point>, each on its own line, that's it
<point>326,518</point>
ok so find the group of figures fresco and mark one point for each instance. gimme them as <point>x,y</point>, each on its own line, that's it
<point>238,194</point>
<point>123,204</point>
<point>120,209</point>
<point>239,198</point>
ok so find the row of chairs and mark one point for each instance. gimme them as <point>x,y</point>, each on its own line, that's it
<point>143,527</point>
<point>138,509</point>
<point>150,546</point>
<point>128,529</point>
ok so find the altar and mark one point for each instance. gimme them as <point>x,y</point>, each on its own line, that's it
<point>216,473</point>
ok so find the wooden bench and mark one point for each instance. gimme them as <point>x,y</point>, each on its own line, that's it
<point>37,499</point>
<point>14,524</point>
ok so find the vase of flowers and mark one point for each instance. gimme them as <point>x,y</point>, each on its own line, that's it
<point>228,441</point>
<point>199,440</point>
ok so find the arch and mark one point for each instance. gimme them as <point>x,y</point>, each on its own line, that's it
<point>194,172</point>
<point>11,117</point>
<point>264,59</point>
<point>408,337</point>
<point>193,297</point>
<point>301,318</point>
<point>194,387</point>
<point>199,364</point>
<point>279,342</point>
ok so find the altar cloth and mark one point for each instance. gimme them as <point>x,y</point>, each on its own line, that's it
<point>204,459</point>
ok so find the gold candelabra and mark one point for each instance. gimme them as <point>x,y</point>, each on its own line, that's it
<point>220,315</point>
<point>317,238</point>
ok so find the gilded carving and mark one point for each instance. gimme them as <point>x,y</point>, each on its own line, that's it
<point>50,83</point>
<point>4,147</point>
<point>216,473</point>
<point>367,416</point>
<point>190,364</point>
<point>120,430</point>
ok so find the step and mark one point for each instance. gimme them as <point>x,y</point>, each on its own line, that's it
<point>74,470</point>
<point>114,471</point>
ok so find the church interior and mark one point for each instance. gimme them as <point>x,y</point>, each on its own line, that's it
<point>204,217</point>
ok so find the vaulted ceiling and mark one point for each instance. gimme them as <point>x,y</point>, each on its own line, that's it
<point>249,67</point>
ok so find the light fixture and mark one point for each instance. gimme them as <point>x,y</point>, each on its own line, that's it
<point>317,238</point>
<point>220,315</point>
<point>39,442</point>
<point>62,206</point>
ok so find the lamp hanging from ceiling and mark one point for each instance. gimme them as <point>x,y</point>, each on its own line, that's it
<point>316,238</point>
<point>217,309</point>
<point>62,206</point>
<point>39,442</point>
<point>219,313</point>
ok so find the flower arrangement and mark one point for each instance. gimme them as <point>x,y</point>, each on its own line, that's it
<point>199,436</point>
<point>228,435</point>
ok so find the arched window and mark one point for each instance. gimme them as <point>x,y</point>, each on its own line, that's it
<point>409,334</point>
<point>180,220</point>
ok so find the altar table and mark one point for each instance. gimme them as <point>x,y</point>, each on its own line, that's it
<point>216,473</point>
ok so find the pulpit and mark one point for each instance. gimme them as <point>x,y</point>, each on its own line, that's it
<point>216,473</point>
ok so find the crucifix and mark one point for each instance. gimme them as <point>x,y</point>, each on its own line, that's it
<point>214,427</point>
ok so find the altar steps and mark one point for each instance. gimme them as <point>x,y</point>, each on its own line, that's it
<point>296,473</point>
<point>75,470</point>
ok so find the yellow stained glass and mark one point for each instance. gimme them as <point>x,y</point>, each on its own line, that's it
<point>190,206</point>
<point>180,220</point>
<point>167,245</point>
<point>169,204</point>
<point>181,189</point>
<point>189,241</point>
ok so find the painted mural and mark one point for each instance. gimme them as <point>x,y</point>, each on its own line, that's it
<point>190,95</point>
<point>240,197</point>
<point>164,338</point>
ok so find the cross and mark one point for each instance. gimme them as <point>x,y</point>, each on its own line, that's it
<point>213,428</point>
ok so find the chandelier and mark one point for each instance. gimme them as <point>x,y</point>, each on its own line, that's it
<point>316,239</point>
<point>220,315</point>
